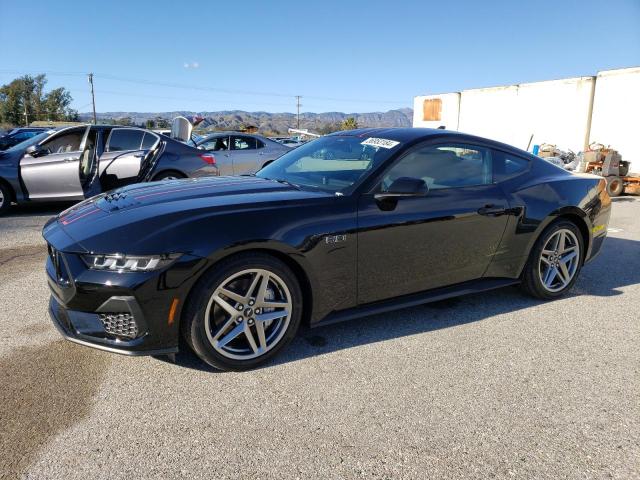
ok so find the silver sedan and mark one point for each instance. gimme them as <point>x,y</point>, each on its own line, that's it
<point>238,153</point>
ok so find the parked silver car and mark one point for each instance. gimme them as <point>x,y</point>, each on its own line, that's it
<point>77,162</point>
<point>238,153</point>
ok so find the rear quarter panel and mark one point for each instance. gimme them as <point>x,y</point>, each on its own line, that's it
<point>538,198</point>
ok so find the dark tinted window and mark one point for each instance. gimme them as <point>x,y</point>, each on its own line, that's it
<point>242,143</point>
<point>125,139</point>
<point>148,140</point>
<point>444,166</point>
<point>259,143</point>
<point>506,165</point>
<point>20,136</point>
<point>215,144</point>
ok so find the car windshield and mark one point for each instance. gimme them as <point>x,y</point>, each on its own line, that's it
<point>30,141</point>
<point>334,163</point>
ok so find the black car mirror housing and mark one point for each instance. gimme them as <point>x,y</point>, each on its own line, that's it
<point>405,187</point>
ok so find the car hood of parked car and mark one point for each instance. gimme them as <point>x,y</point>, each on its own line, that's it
<point>124,220</point>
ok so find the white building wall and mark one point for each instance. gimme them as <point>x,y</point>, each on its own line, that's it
<point>569,113</point>
<point>450,110</point>
<point>616,113</point>
<point>553,112</point>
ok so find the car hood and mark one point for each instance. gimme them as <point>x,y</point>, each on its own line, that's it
<point>125,219</point>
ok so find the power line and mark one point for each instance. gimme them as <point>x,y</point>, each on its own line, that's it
<point>213,89</point>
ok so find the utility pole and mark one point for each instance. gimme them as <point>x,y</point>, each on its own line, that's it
<point>93,99</point>
<point>298,105</point>
<point>26,114</point>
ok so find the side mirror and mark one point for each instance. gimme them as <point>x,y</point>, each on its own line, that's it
<point>37,151</point>
<point>405,187</point>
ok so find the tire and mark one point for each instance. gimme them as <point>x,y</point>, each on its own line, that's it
<point>538,278</point>
<point>168,175</point>
<point>5,199</point>
<point>215,324</point>
<point>615,186</point>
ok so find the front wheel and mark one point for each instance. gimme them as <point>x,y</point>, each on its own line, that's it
<point>554,262</point>
<point>243,312</point>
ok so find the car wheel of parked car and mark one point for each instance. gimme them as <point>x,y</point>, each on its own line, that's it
<point>554,262</point>
<point>243,312</point>
<point>615,186</point>
<point>5,199</point>
<point>170,175</point>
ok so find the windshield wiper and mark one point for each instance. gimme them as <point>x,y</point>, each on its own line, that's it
<point>287,182</point>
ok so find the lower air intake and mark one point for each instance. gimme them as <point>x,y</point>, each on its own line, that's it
<point>120,324</point>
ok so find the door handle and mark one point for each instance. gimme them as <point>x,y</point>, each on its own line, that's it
<point>139,155</point>
<point>69,159</point>
<point>491,210</point>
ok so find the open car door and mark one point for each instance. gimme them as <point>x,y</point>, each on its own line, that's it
<point>62,167</point>
<point>128,153</point>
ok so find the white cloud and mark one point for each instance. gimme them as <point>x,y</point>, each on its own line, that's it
<point>191,65</point>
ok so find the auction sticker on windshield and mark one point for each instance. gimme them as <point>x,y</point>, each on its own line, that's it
<point>380,142</point>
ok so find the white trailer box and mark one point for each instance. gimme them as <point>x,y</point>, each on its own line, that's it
<point>616,110</point>
<point>553,112</point>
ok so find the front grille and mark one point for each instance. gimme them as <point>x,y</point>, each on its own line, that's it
<point>120,324</point>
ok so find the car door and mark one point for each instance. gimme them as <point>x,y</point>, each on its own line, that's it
<point>415,243</point>
<point>124,151</point>
<point>244,154</point>
<point>218,145</point>
<point>52,171</point>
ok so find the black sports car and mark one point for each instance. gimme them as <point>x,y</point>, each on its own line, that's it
<point>351,224</point>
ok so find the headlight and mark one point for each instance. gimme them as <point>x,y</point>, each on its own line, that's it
<point>129,263</point>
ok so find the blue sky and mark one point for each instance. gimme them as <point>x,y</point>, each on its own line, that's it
<point>352,56</point>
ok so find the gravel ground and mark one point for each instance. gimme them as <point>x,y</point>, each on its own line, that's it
<point>491,385</point>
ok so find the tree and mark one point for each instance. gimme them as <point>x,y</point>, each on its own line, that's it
<point>150,124</point>
<point>23,100</point>
<point>162,122</point>
<point>329,127</point>
<point>350,123</point>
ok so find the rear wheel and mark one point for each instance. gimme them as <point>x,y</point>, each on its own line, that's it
<point>243,312</point>
<point>554,262</point>
<point>170,175</point>
<point>5,198</point>
<point>615,186</point>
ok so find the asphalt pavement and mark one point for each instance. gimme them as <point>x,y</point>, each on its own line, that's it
<point>491,385</point>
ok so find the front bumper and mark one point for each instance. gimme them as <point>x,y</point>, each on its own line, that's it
<point>69,323</point>
<point>127,313</point>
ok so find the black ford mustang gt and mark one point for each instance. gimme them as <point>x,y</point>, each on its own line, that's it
<point>351,224</point>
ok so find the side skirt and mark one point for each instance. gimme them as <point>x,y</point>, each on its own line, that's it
<point>466,288</point>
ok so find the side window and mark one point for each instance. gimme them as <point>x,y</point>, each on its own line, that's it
<point>123,139</point>
<point>24,135</point>
<point>444,166</point>
<point>68,142</point>
<point>259,143</point>
<point>148,141</point>
<point>216,144</point>
<point>506,165</point>
<point>243,143</point>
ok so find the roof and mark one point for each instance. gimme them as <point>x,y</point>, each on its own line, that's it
<point>411,135</point>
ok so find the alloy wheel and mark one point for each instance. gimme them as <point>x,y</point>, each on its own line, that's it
<point>559,260</point>
<point>248,313</point>
<point>1,198</point>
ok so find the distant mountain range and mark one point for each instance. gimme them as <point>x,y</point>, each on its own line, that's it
<point>268,123</point>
